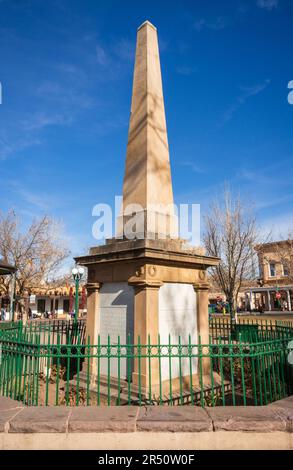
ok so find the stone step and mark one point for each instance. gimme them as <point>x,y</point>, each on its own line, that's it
<point>135,397</point>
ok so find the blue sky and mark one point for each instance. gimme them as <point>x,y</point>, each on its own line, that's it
<point>66,73</point>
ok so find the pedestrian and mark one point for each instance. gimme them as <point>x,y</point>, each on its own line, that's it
<point>3,314</point>
<point>6,314</point>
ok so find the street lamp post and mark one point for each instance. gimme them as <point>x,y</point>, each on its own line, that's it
<point>12,298</point>
<point>77,274</point>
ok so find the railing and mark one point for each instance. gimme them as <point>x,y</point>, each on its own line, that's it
<point>250,329</point>
<point>10,325</point>
<point>231,372</point>
<point>68,331</point>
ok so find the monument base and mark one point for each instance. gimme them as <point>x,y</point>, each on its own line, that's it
<point>146,292</point>
<point>103,392</point>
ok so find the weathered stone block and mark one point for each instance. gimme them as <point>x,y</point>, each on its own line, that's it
<point>103,419</point>
<point>187,419</point>
<point>6,416</point>
<point>40,419</point>
<point>249,418</point>
<point>8,404</point>
<point>285,409</point>
<point>285,403</point>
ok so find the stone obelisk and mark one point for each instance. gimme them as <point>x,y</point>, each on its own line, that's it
<point>147,180</point>
<point>147,285</point>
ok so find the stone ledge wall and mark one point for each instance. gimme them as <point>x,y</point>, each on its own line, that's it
<point>268,427</point>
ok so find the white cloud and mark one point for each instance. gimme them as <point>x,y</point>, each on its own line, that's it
<point>38,121</point>
<point>184,70</point>
<point>193,166</point>
<point>101,56</point>
<point>277,226</point>
<point>72,96</point>
<point>125,49</point>
<point>39,202</point>
<point>9,148</point>
<point>216,25</point>
<point>267,4</point>
<point>247,92</point>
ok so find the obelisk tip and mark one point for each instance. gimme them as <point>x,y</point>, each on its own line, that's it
<point>146,23</point>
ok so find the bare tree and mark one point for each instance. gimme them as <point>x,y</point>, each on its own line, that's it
<point>230,234</point>
<point>37,252</point>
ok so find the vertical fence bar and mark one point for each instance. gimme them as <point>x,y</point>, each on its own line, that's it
<point>242,370</point>
<point>160,368</point>
<point>180,369</point>
<point>88,359</point>
<point>170,370</point>
<point>268,368</point>
<point>283,366</point>
<point>78,351</point>
<point>222,372</point>
<point>18,373</point>
<point>190,369</point>
<point>38,368</point>
<point>273,372</point>
<point>264,374</point>
<point>109,372</point>
<point>252,358</point>
<point>57,369</point>
<point>212,371</point>
<point>231,353</point>
<point>99,371</point>
<point>25,373</point>
<point>150,368</point>
<point>139,369</point>
<point>129,357</point>
<point>48,369</point>
<point>68,360</point>
<point>200,371</point>
<point>118,367</point>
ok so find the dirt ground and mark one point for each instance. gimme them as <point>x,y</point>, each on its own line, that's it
<point>265,316</point>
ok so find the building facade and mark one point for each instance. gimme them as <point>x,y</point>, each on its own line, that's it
<point>274,291</point>
<point>43,301</point>
<point>56,302</point>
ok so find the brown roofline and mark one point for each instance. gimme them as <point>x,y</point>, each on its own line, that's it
<point>261,246</point>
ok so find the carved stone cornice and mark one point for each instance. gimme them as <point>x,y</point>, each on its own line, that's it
<point>93,287</point>
<point>203,286</point>
<point>144,283</point>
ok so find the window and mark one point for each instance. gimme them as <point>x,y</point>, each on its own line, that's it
<point>41,305</point>
<point>66,306</point>
<point>272,269</point>
<point>285,270</point>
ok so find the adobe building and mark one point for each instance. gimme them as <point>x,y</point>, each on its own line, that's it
<point>152,284</point>
<point>275,285</point>
<point>6,300</point>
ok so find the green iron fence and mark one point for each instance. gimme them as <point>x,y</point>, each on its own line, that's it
<point>222,329</point>
<point>9,325</point>
<point>67,331</point>
<point>239,370</point>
